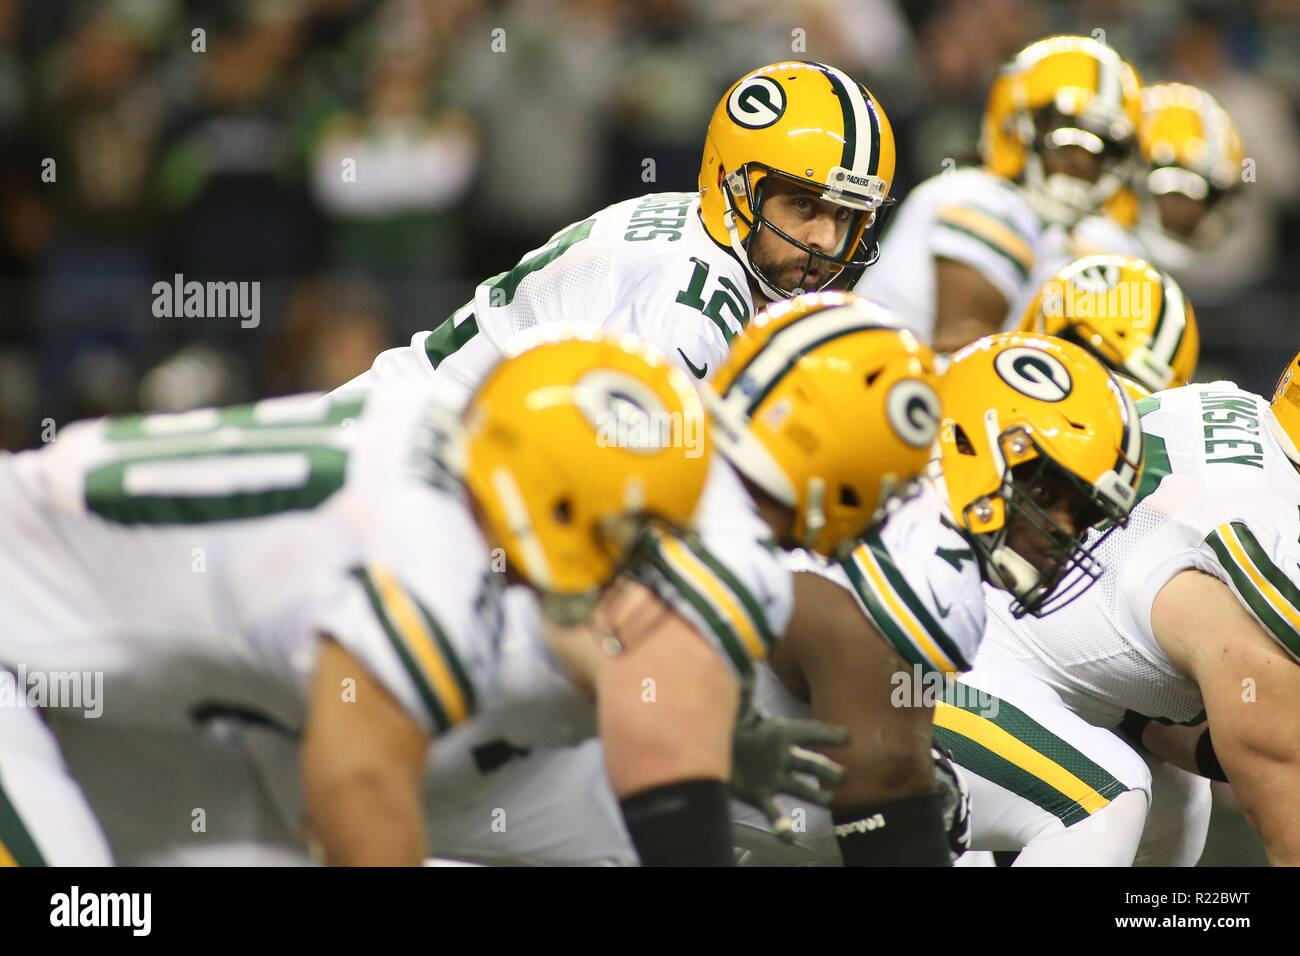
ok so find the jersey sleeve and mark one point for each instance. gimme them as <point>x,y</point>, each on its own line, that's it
<point>729,580</point>
<point>988,230</point>
<point>918,582</point>
<point>1261,565</point>
<point>421,657</point>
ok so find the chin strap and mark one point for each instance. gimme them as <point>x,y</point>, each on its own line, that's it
<point>734,183</point>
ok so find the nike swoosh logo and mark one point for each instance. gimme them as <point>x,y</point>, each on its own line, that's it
<point>697,372</point>
<point>943,611</point>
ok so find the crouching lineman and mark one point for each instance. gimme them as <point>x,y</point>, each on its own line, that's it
<point>330,566</point>
<point>1022,477</point>
<point>1198,617</point>
<point>1041,776</point>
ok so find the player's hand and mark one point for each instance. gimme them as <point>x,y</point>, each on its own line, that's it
<point>956,801</point>
<point>770,757</point>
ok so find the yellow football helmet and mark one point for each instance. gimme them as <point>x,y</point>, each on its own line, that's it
<point>814,126</point>
<point>570,446</point>
<point>1191,148</point>
<point>1126,313</point>
<point>1023,414</point>
<point>1057,92</point>
<point>830,407</point>
<point>1285,424</point>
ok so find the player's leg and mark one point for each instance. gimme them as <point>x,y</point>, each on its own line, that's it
<point>196,797</point>
<point>44,817</point>
<point>1042,780</point>
<point>1179,819</point>
<point>492,802</point>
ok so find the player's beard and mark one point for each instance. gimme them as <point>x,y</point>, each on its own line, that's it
<point>795,271</point>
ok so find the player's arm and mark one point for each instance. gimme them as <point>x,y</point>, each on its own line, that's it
<point>363,759</point>
<point>666,706</point>
<point>967,305</point>
<point>1251,689</point>
<point>1187,747</point>
<point>832,653</point>
<point>845,668</point>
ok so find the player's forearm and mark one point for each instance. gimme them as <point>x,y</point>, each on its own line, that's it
<point>366,819</point>
<point>667,711</point>
<point>1174,744</point>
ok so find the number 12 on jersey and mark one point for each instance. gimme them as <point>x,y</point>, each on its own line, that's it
<point>729,297</point>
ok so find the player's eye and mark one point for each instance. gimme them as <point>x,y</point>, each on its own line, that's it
<point>1043,495</point>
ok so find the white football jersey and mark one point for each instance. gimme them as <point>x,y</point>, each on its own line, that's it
<point>968,215</point>
<point>645,266</point>
<point>193,558</point>
<point>1217,494</point>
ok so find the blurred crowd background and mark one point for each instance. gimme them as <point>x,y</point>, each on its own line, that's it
<point>207,138</point>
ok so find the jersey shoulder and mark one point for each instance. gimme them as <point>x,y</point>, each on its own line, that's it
<point>729,578</point>
<point>423,618</point>
<point>981,220</point>
<point>1232,496</point>
<point>917,580</point>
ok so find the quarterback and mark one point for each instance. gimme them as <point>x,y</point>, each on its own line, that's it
<point>793,188</point>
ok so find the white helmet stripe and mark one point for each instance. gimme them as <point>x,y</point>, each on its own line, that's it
<point>1109,83</point>
<point>783,349</point>
<point>1214,129</point>
<point>864,123</point>
<point>1170,332</point>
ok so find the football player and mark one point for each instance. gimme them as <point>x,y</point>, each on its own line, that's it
<point>793,188</point>
<point>1188,185</point>
<point>1195,619</point>
<point>1193,155</point>
<point>1136,321</point>
<point>1056,141</point>
<point>338,566</point>
<point>1021,480</point>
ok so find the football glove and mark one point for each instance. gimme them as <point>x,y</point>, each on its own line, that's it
<point>770,757</point>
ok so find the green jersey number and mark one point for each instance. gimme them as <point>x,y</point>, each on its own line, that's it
<point>728,298</point>
<point>222,464</point>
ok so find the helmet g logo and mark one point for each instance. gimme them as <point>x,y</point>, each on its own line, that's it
<point>1098,277</point>
<point>913,411</point>
<point>625,412</point>
<point>756,104</point>
<point>1034,373</point>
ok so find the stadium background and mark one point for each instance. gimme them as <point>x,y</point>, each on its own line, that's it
<point>479,128</point>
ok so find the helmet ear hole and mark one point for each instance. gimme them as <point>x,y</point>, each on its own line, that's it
<point>964,446</point>
<point>849,497</point>
<point>872,376</point>
<point>563,511</point>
